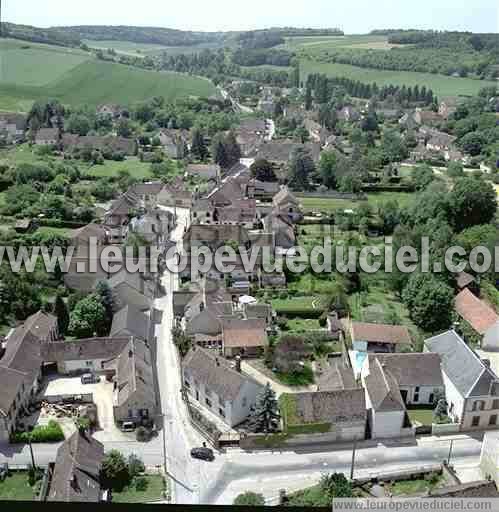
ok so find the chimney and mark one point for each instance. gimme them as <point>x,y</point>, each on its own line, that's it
<point>238,364</point>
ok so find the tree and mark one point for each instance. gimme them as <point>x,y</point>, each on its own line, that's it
<point>62,314</point>
<point>219,153</point>
<point>327,168</point>
<point>440,412</point>
<point>106,297</point>
<point>422,176</point>
<point>88,318</point>
<point>124,128</point>
<point>300,168</point>
<point>181,340</point>
<point>115,473</point>
<point>472,143</point>
<point>232,149</point>
<point>472,201</point>
<point>79,124</point>
<point>250,499</point>
<point>263,170</point>
<point>198,146</point>
<point>264,416</point>
<point>429,301</point>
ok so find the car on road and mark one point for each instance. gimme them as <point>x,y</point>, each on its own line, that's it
<point>128,426</point>
<point>203,454</point>
<point>89,378</point>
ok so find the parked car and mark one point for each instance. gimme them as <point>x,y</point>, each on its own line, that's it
<point>89,378</point>
<point>203,454</point>
<point>128,426</point>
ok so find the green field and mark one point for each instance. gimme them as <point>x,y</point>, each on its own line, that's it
<point>111,169</point>
<point>442,86</point>
<point>374,199</point>
<point>16,488</point>
<point>143,49</point>
<point>25,63</point>
<point>95,82</point>
<point>320,43</point>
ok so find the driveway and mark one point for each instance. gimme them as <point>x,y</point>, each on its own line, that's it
<point>102,393</point>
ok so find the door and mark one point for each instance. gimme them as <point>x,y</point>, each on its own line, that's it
<point>403,392</point>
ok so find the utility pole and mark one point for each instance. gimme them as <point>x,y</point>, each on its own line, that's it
<point>450,451</point>
<point>353,459</point>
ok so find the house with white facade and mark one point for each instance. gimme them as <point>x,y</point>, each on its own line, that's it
<point>219,386</point>
<point>471,387</point>
<point>386,411</point>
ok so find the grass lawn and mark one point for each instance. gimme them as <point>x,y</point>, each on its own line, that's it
<point>374,199</point>
<point>441,85</point>
<point>303,324</point>
<point>424,416</point>
<point>154,491</point>
<point>284,306</point>
<point>95,82</point>
<point>20,154</point>
<point>47,230</point>
<point>301,378</point>
<point>411,487</point>
<point>110,168</point>
<point>16,487</point>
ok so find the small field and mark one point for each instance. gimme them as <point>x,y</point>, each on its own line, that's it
<point>290,306</point>
<point>110,169</point>
<point>125,47</point>
<point>311,43</point>
<point>423,415</point>
<point>16,488</point>
<point>153,492</point>
<point>95,82</point>
<point>26,63</point>
<point>374,199</point>
<point>442,86</point>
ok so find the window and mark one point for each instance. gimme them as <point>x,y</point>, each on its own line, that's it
<point>495,404</point>
<point>431,398</point>
<point>89,364</point>
<point>208,402</point>
<point>479,405</point>
<point>476,421</point>
<point>493,419</point>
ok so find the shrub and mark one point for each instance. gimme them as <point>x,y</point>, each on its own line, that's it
<point>135,466</point>
<point>250,499</point>
<point>50,433</point>
<point>141,483</point>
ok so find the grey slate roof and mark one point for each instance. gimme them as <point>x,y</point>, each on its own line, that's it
<point>412,369</point>
<point>215,373</point>
<point>336,377</point>
<point>462,366</point>
<point>131,320</point>
<point>383,389</point>
<point>76,472</point>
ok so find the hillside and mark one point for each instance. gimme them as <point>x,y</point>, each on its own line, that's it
<point>94,82</point>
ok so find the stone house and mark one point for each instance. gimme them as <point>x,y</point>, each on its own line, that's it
<point>131,289</point>
<point>386,411</point>
<point>47,137</point>
<point>12,127</point>
<point>130,321</point>
<point>382,338</point>
<point>76,475</point>
<point>205,171</point>
<point>243,337</point>
<point>216,385</point>
<point>418,376</point>
<point>285,203</point>
<point>471,387</point>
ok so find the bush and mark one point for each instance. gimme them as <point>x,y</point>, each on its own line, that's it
<point>141,484</point>
<point>50,433</point>
<point>250,499</point>
<point>143,435</point>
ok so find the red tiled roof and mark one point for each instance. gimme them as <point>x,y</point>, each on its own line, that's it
<point>244,333</point>
<point>475,311</point>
